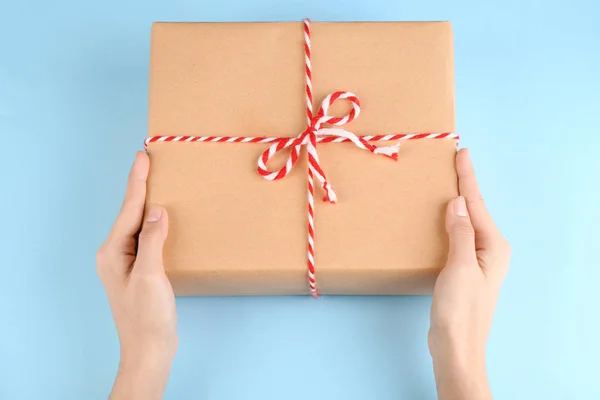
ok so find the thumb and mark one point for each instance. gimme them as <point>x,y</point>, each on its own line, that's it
<point>460,233</point>
<point>151,240</point>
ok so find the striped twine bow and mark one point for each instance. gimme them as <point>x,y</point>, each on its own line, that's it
<point>314,133</point>
<point>309,138</point>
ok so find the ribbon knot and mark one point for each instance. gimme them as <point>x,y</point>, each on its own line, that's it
<point>309,137</point>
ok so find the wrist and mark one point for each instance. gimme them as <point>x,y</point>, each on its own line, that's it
<point>148,358</point>
<point>457,350</point>
<point>459,365</point>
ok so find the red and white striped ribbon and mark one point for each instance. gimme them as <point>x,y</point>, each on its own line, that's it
<point>320,139</point>
<point>314,133</point>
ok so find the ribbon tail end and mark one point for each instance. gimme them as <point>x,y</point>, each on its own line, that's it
<point>330,196</point>
<point>389,151</point>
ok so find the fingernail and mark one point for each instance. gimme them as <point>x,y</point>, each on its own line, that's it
<point>460,207</point>
<point>154,214</point>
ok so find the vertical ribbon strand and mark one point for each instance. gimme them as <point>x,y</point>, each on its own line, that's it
<point>312,143</point>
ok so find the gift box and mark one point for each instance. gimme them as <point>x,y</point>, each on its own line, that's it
<point>234,146</point>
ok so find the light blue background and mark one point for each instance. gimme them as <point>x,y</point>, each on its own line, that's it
<point>73,108</point>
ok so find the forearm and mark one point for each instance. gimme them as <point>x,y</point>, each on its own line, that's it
<point>460,374</point>
<point>143,380</point>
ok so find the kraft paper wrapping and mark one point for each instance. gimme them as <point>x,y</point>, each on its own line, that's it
<point>234,233</point>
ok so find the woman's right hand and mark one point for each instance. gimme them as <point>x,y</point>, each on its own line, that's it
<point>466,292</point>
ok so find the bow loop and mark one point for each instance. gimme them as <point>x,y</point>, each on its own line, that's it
<point>276,147</point>
<point>324,118</point>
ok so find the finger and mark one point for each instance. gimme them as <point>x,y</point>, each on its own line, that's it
<point>481,219</point>
<point>151,240</point>
<point>461,234</point>
<point>132,210</point>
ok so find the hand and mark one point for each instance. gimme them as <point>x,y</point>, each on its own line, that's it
<point>466,291</point>
<point>140,295</point>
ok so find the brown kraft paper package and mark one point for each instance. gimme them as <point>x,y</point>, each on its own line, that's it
<point>231,232</point>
